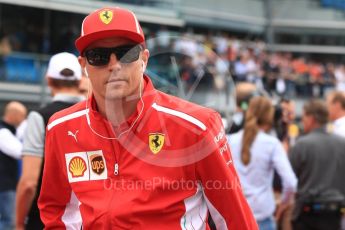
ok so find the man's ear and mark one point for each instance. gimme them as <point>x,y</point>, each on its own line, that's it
<point>48,80</point>
<point>145,58</point>
<point>337,105</point>
<point>82,61</point>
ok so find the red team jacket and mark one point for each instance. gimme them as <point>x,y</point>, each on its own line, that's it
<point>167,171</point>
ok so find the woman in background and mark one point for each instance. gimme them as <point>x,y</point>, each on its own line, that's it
<point>256,154</point>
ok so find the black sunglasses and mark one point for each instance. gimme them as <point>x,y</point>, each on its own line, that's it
<point>101,56</point>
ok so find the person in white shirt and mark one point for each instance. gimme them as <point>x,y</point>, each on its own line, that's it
<point>336,109</point>
<point>256,154</point>
<point>340,78</point>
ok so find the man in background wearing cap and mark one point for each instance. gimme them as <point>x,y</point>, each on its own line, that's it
<point>139,158</point>
<point>63,76</point>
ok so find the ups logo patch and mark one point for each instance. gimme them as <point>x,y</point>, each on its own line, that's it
<point>97,164</point>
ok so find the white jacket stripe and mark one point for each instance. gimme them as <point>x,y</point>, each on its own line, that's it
<point>67,117</point>
<point>180,115</point>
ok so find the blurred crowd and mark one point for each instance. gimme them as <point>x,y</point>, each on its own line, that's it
<point>214,58</point>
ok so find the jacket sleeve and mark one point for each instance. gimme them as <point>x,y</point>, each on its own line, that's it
<point>282,165</point>
<point>59,207</point>
<point>297,158</point>
<point>221,187</point>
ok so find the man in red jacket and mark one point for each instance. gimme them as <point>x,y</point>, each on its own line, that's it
<point>132,157</point>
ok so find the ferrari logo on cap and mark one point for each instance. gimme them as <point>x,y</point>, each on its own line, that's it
<point>106,16</point>
<point>156,142</point>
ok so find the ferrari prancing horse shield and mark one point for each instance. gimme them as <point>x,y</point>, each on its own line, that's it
<point>156,142</point>
<point>106,16</point>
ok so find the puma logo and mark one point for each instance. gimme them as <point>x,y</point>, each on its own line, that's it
<point>74,135</point>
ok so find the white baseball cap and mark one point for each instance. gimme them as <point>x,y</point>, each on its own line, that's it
<point>62,61</point>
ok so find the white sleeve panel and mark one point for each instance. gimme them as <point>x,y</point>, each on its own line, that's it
<point>9,144</point>
<point>196,212</point>
<point>285,171</point>
<point>72,217</point>
<point>217,218</point>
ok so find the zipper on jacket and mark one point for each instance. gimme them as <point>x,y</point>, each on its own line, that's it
<point>116,169</point>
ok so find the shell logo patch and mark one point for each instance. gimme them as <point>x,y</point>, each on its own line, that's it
<point>97,164</point>
<point>106,16</point>
<point>156,142</point>
<point>77,167</point>
<point>86,166</point>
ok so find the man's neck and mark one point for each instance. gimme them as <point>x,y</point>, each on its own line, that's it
<point>117,111</point>
<point>265,128</point>
<point>341,114</point>
<point>9,121</point>
<point>69,91</point>
<point>314,127</point>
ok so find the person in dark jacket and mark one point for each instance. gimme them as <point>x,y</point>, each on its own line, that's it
<point>318,160</point>
<point>10,152</point>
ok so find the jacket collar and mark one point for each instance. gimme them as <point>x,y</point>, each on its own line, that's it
<point>322,129</point>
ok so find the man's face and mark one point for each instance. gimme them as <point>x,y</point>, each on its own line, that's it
<point>115,80</point>
<point>288,111</point>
